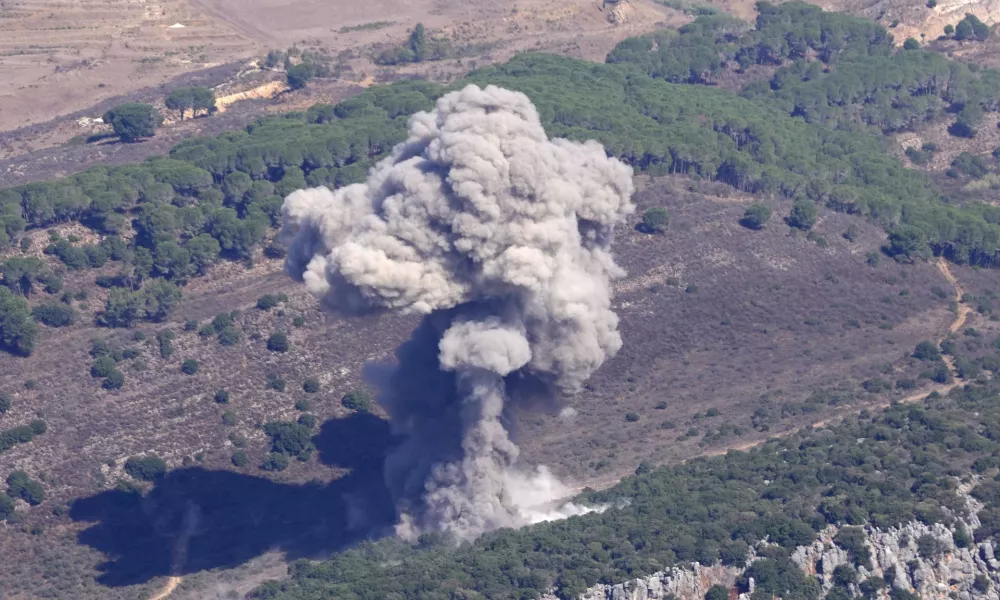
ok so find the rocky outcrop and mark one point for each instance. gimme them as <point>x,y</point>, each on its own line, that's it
<point>916,557</point>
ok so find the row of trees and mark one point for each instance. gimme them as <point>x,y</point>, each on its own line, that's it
<point>881,470</point>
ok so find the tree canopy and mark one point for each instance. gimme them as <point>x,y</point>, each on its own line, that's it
<point>133,121</point>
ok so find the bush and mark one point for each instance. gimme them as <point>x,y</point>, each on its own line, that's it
<point>926,350</point>
<point>656,219</point>
<point>54,314</point>
<point>311,385</point>
<point>268,301</point>
<point>911,44</point>
<point>189,366</point>
<point>278,342</point>
<point>307,421</point>
<point>302,405</point>
<point>4,403</point>
<point>229,336</point>
<point>803,215</point>
<point>357,399</point>
<point>717,592</point>
<point>275,461</point>
<point>229,418</point>
<point>6,507</point>
<point>288,437</point>
<point>632,417</point>
<point>133,120</point>
<point>298,321</point>
<point>19,485</point>
<point>756,216</point>
<point>240,459</point>
<point>275,382</point>
<point>146,468</point>
<point>103,366</point>
<point>114,381</point>
<point>222,396</point>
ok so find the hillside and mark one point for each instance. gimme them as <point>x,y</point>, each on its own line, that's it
<point>180,408</point>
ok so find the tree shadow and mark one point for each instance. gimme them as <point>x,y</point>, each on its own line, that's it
<point>196,519</point>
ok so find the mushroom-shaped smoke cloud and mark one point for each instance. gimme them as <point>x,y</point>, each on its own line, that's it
<point>500,236</point>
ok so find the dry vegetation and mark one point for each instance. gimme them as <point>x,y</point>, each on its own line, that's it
<point>715,317</point>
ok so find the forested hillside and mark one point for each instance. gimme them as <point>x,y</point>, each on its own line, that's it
<point>811,133</point>
<point>883,470</point>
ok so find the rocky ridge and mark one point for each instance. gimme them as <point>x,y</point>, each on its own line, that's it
<point>968,573</point>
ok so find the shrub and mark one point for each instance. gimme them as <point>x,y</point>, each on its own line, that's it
<point>240,459</point>
<point>357,399</point>
<point>288,437</point>
<point>298,321</point>
<point>238,440</point>
<point>54,314</point>
<point>228,418</point>
<point>268,301</point>
<point>632,417</point>
<point>308,421</point>
<point>191,325</point>
<point>803,215</point>
<point>911,44</point>
<point>6,507</point>
<point>278,342</point>
<point>189,366</point>
<point>103,366</point>
<point>656,219</point>
<point>302,405</point>
<point>4,403</point>
<point>229,336</point>
<point>19,485</point>
<point>222,396</point>
<point>926,350</point>
<point>275,461</point>
<point>114,381</point>
<point>311,385</point>
<point>717,592</point>
<point>145,468</point>
<point>756,216</point>
<point>275,382</point>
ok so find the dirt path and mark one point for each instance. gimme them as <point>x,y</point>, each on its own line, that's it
<point>172,582</point>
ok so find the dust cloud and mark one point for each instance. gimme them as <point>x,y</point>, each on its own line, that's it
<point>500,236</point>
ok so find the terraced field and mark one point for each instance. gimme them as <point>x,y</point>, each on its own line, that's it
<point>57,56</point>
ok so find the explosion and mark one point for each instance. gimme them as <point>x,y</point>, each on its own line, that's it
<point>500,236</point>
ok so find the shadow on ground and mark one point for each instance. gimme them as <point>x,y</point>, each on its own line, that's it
<point>195,519</point>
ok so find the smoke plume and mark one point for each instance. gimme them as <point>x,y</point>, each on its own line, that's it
<point>500,236</point>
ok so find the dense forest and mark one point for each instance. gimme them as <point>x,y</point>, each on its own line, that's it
<point>880,469</point>
<point>220,197</point>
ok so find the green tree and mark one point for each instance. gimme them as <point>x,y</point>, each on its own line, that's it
<point>656,219</point>
<point>911,44</point>
<point>275,461</point>
<point>907,244</point>
<point>5,403</point>
<point>278,342</point>
<point>146,468</point>
<point>54,314</point>
<point>133,120</point>
<point>949,30</point>
<point>756,216</point>
<point>19,485</point>
<point>18,330</point>
<point>300,75</point>
<point>357,399</point>
<point>6,507</point>
<point>717,592</point>
<point>964,31</point>
<point>189,366</point>
<point>418,43</point>
<point>311,385</point>
<point>803,215</point>
<point>240,459</point>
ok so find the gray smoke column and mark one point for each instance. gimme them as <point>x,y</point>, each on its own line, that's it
<point>500,236</point>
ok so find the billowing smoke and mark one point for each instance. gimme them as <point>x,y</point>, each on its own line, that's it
<point>500,236</point>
